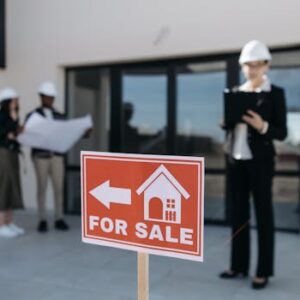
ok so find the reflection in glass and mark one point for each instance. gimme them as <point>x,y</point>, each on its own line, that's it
<point>214,197</point>
<point>286,202</point>
<point>289,150</point>
<point>144,113</point>
<point>200,109</point>
<point>88,93</point>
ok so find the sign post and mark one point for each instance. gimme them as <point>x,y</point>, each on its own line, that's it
<point>143,276</point>
<point>151,204</point>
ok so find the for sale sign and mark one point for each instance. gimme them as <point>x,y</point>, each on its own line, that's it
<point>146,203</point>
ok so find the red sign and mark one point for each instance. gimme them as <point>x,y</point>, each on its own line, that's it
<point>147,203</point>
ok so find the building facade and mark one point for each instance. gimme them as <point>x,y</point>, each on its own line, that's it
<point>152,75</point>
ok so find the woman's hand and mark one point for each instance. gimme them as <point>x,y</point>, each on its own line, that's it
<point>222,124</point>
<point>11,136</point>
<point>254,120</point>
<point>87,133</point>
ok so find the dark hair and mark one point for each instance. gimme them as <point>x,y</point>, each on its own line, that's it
<point>4,108</point>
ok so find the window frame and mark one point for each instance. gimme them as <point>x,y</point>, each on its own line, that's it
<point>232,79</point>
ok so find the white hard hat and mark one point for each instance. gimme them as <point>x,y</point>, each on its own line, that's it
<point>48,89</point>
<point>254,51</point>
<point>8,93</point>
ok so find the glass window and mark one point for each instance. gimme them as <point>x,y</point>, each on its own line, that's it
<point>289,150</point>
<point>88,93</point>
<point>286,202</point>
<point>285,72</point>
<point>200,110</point>
<point>144,111</point>
<point>214,197</point>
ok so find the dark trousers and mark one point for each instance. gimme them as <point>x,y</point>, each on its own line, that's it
<point>252,177</point>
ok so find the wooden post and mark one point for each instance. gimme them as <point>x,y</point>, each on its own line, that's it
<point>143,276</point>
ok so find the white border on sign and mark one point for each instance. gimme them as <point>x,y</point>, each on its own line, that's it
<point>171,252</point>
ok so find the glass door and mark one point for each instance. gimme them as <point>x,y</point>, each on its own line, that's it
<point>285,72</point>
<point>88,93</point>
<point>199,111</point>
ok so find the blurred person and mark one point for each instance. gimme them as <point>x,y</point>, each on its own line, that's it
<point>131,135</point>
<point>251,167</point>
<point>49,164</point>
<point>139,143</point>
<point>10,188</point>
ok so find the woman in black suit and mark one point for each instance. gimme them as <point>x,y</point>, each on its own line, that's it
<point>251,166</point>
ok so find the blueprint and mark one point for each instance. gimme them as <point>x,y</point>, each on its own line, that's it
<point>53,135</point>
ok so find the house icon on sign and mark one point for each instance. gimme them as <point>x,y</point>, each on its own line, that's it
<point>162,197</point>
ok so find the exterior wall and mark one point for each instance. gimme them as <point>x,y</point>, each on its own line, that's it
<point>44,36</point>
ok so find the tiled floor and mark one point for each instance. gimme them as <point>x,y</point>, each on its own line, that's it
<point>58,266</point>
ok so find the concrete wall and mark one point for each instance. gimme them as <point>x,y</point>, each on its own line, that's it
<point>44,36</point>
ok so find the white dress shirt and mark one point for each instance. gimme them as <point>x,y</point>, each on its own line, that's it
<point>48,113</point>
<point>240,147</point>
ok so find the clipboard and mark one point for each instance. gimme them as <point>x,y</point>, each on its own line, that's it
<point>237,103</point>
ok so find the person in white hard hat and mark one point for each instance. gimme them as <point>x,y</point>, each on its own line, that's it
<point>10,188</point>
<point>251,166</point>
<point>49,164</point>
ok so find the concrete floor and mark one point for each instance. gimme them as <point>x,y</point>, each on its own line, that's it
<point>58,266</point>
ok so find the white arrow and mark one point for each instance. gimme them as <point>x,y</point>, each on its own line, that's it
<point>106,194</point>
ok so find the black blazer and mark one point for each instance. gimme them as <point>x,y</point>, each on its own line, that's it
<point>261,145</point>
<point>8,125</point>
<point>57,116</point>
